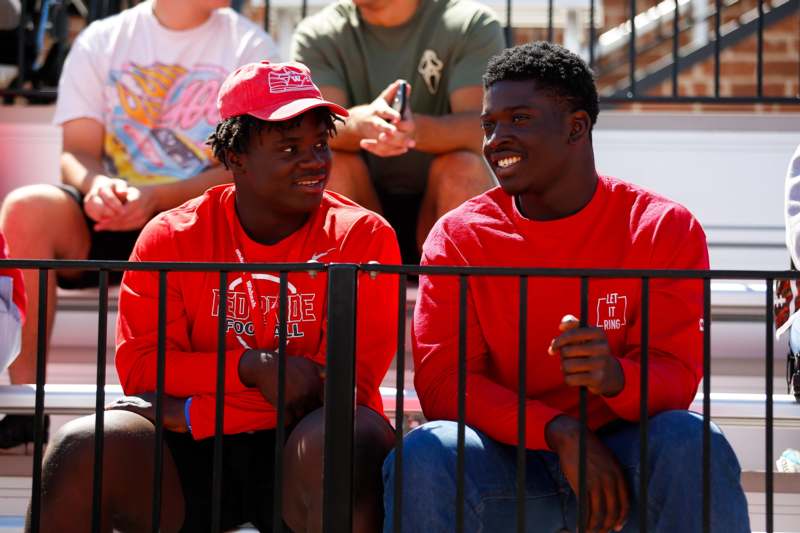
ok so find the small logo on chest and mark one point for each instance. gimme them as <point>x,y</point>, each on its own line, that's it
<point>611,311</point>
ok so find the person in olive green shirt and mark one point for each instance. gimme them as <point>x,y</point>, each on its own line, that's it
<point>416,167</point>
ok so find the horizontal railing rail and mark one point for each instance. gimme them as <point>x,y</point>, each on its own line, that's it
<point>340,375</point>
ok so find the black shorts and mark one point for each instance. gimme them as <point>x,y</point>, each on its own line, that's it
<point>247,479</point>
<point>400,183</point>
<point>104,245</point>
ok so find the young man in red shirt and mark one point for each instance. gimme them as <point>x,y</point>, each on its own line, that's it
<point>274,138</point>
<point>552,210</point>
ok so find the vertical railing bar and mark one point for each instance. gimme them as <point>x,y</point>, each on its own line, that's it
<point>550,31</point>
<point>707,405</point>
<point>769,417</point>
<point>399,398</point>
<point>632,51</point>
<point>100,400</point>
<point>337,505</point>
<point>676,34</point>
<point>582,507</point>
<point>158,453</point>
<point>717,44</point>
<point>462,399</point>
<point>760,51</point>
<point>521,399</point>
<point>304,9</point>
<point>266,15</point>
<point>38,425</point>
<point>509,29</point>
<point>219,421</point>
<point>592,31</point>
<point>280,430</point>
<point>644,464</point>
<point>23,23</point>
<point>94,11</point>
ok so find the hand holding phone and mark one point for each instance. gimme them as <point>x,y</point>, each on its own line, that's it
<point>400,103</point>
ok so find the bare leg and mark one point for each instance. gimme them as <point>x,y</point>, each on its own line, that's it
<point>127,478</point>
<point>303,469</point>
<point>453,178</point>
<point>40,222</point>
<point>349,176</point>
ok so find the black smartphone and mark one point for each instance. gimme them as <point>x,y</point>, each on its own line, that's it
<point>400,98</point>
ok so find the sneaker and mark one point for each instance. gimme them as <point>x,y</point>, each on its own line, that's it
<point>18,429</point>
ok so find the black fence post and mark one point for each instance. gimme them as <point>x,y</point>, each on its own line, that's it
<point>219,419</point>
<point>161,362</point>
<point>337,504</point>
<point>99,436</point>
<point>399,407</point>
<point>38,438</point>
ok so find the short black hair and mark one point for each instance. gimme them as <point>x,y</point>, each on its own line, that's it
<point>554,68</point>
<point>234,133</point>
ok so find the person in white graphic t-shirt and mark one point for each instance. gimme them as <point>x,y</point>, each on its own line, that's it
<point>136,103</point>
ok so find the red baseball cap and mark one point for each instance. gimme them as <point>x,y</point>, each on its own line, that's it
<point>271,92</point>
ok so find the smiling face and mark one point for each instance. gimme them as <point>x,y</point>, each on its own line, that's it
<point>284,171</point>
<point>527,136</point>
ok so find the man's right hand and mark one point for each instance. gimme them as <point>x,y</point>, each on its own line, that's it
<point>606,488</point>
<point>105,198</point>
<point>304,384</point>
<point>382,130</point>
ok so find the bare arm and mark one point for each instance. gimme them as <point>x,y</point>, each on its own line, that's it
<point>459,130</point>
<point>111,202</point>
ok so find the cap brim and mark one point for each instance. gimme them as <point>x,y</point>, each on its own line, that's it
<point>297,107</point>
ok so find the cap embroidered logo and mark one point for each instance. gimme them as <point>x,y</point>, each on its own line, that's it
<point>287,80</point>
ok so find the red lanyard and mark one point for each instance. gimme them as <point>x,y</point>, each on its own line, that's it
<point>264,321</point>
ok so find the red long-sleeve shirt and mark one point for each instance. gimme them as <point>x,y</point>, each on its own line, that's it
<point>15,274</point>
<point>623,226</point>
<point>339,231</point>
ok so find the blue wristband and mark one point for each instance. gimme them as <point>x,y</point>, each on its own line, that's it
<point>186,413</point>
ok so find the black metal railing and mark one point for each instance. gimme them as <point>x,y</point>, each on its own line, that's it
<point>51,15</point>
<point>340,375</point>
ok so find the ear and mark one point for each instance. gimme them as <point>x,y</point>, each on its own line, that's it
<point>580,126</point>
<point>236,161</point>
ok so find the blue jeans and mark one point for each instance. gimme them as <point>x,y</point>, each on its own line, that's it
<point>675,489</point>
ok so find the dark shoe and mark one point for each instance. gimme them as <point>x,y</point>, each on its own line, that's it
<point>18,429</point>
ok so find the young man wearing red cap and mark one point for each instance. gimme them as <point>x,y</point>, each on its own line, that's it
<point>274,138</point>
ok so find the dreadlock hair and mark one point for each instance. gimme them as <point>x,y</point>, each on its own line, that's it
<point>235,133</point>
<point>555,69</point>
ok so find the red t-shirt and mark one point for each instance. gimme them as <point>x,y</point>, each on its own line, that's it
<point>623,226</point>
<point>339,231</point>
<point>18,286</point>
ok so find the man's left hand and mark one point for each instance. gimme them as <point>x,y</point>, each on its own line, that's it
<point>145,405</point>
<point>586,358</point>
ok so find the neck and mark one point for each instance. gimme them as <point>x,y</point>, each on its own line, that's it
<point>388,14</point>
<point>569,194</point>
<point>179,14</point>
<point>265,226</point>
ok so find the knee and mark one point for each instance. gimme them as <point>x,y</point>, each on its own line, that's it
<point>71,449</point>
<point>427,451</point>
<point>21,211</point>
<point>678,439</point>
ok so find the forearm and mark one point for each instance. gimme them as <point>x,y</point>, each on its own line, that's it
<point>447,133</point>
<point>671,385</point>
<point>186,373</point>
<point>174,194</point>
<point>80,170</point>
<point>491,408</point>
<point>347,136</point>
